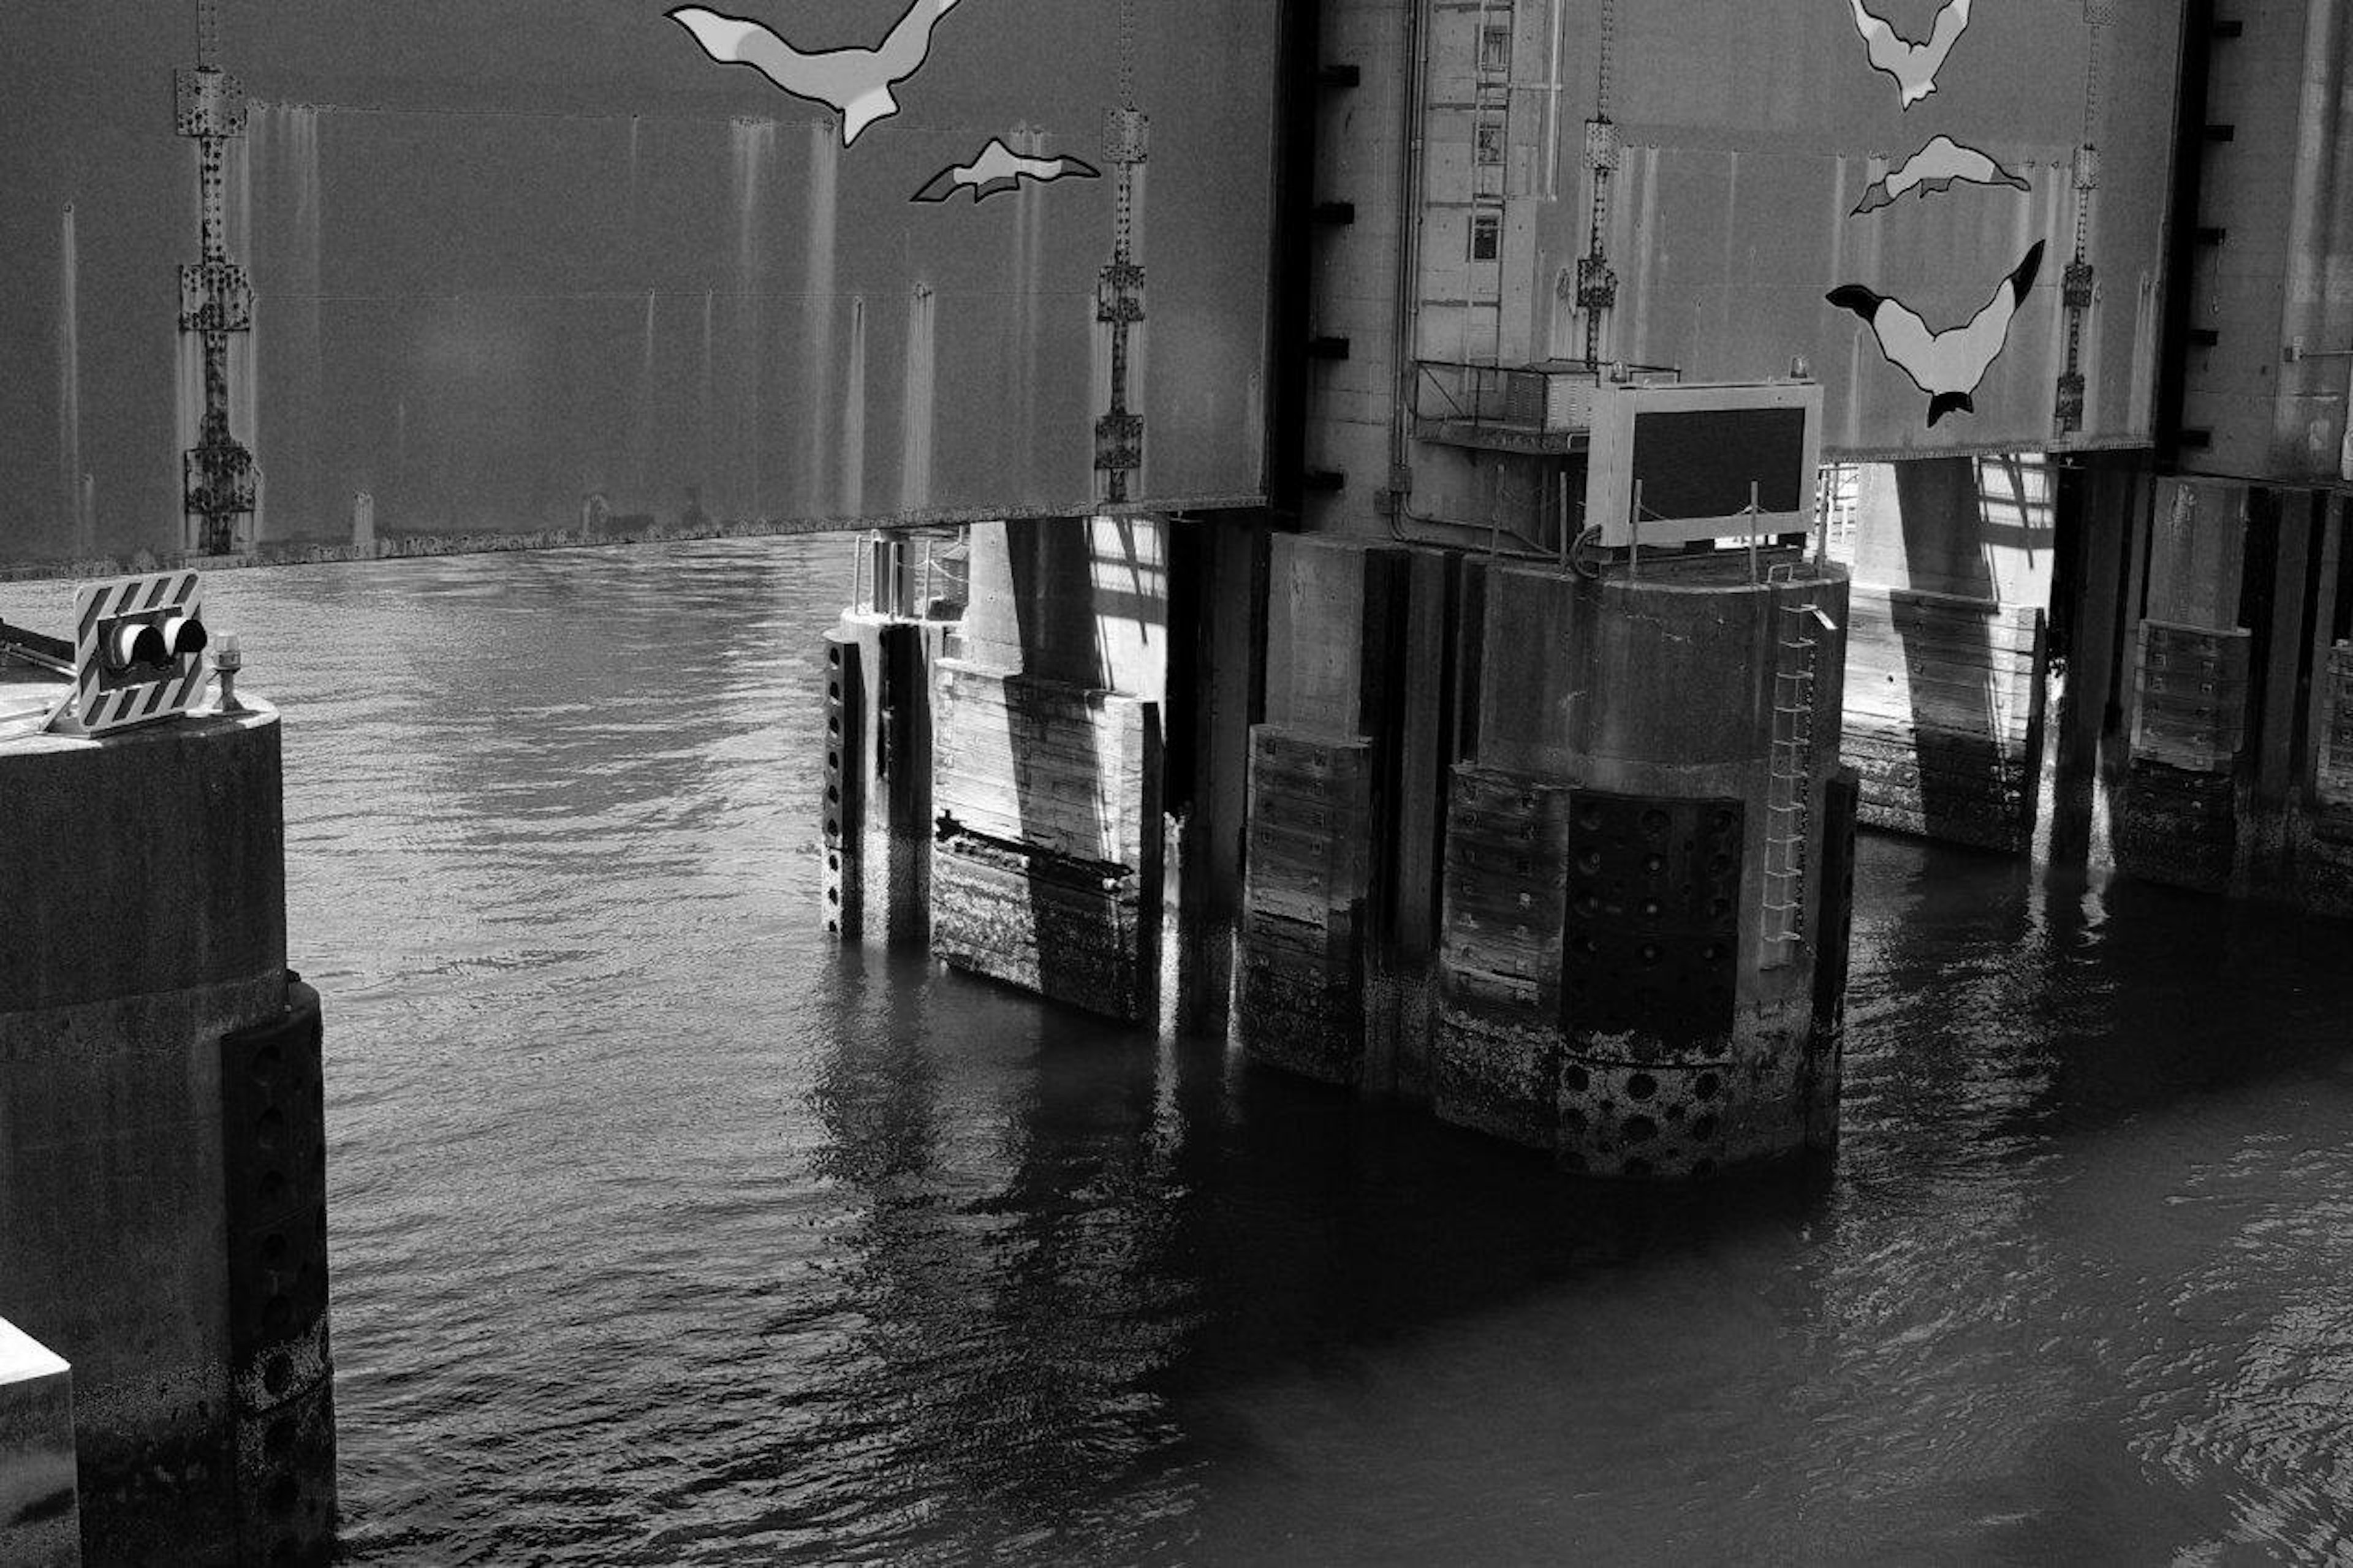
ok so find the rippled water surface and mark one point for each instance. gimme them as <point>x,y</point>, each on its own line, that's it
<point>664,1232</point>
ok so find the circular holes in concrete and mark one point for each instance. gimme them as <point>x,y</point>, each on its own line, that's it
<point>1642,1085</point>
<point>1575,1078</point>
<point>1708,1086</point>
<point>1640,1129</point>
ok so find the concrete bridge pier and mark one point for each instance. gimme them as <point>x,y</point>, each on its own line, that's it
<point>2233,769</point>
<point>1047,770</point>
<point>1648,869</point>
<point>1564,859</point>
<point>1947,658</point>
<point>163,1221</point>
<point>1338,944</point>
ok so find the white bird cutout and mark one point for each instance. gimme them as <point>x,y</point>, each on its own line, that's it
<point>998,168</point>
<point>1938,166</point>
<point>1914,66</point>
<point>855,82</point>
<point>1947,365</point>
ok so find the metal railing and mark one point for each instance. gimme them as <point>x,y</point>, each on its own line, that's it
<point>1548,398</point>
<point>919,573</point>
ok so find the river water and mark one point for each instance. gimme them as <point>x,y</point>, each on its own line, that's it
<point>663,1231</point>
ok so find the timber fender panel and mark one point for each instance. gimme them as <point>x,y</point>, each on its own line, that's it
<point>281,1371</point>
<point>1047,869</point>
<point>1495,1061</point>
<point>2177,820</point>
<point>2324,854</point>
<point>2178,826</point>
<point>1943,715</point>
<point>1299,995</point>
<point>2333,771</point>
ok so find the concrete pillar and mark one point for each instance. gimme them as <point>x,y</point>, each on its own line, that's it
<point>2110,502</point>
<point>161,1153</point>
<point>2178,812</point>
<point>1946,656</point>
<point>1646,871</point>
<point>40,1520</point>
<point>1347,799</point>
<point>1047,865</point>
<point>1215,692</point>
<point>1310,895</point>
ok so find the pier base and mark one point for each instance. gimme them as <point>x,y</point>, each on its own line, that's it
<point>1046,778</point>
<point>1948,664</point>
<point>162,1166</point>
<point>2228,763</point>
<point>1646,873</point>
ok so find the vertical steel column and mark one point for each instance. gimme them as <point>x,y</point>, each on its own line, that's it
<point>216,299</point>
<point>1119,286</point>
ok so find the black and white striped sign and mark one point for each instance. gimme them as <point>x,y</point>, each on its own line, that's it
<point>109,699</point>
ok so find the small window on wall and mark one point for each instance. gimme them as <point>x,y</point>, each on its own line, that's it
<point>1486,235</point>
<point>1488,144</point>
<point>1495,50</point>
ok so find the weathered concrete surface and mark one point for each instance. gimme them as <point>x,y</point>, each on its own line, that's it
<point>146,920</point>
<point>1944,715</point>
<point>1947,662</point>
<point>1299,999</point>
<point>1048,871</point>
<point>40,1521</point>
<point>2229,767</point>
<point>1647,873</point>
<point>150,861</point>
<point>1083,600</point>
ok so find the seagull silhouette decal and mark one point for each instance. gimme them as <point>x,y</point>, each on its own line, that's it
<point>1914,66</point>
<point>1940,165</point>
<point>1949,364</point>
<point>997,169</point>
<point>856,83</point>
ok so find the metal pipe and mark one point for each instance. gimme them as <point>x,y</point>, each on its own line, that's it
<point>2309,198</point>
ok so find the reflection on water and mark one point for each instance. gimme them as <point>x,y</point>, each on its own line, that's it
<point>663,1231</point>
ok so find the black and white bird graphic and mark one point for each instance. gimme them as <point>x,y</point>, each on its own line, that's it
<point>1914,66</point>
<point>855,82</point>
<point>998,168</point>
<point>1939,166</point>
<point>1947,365</point>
